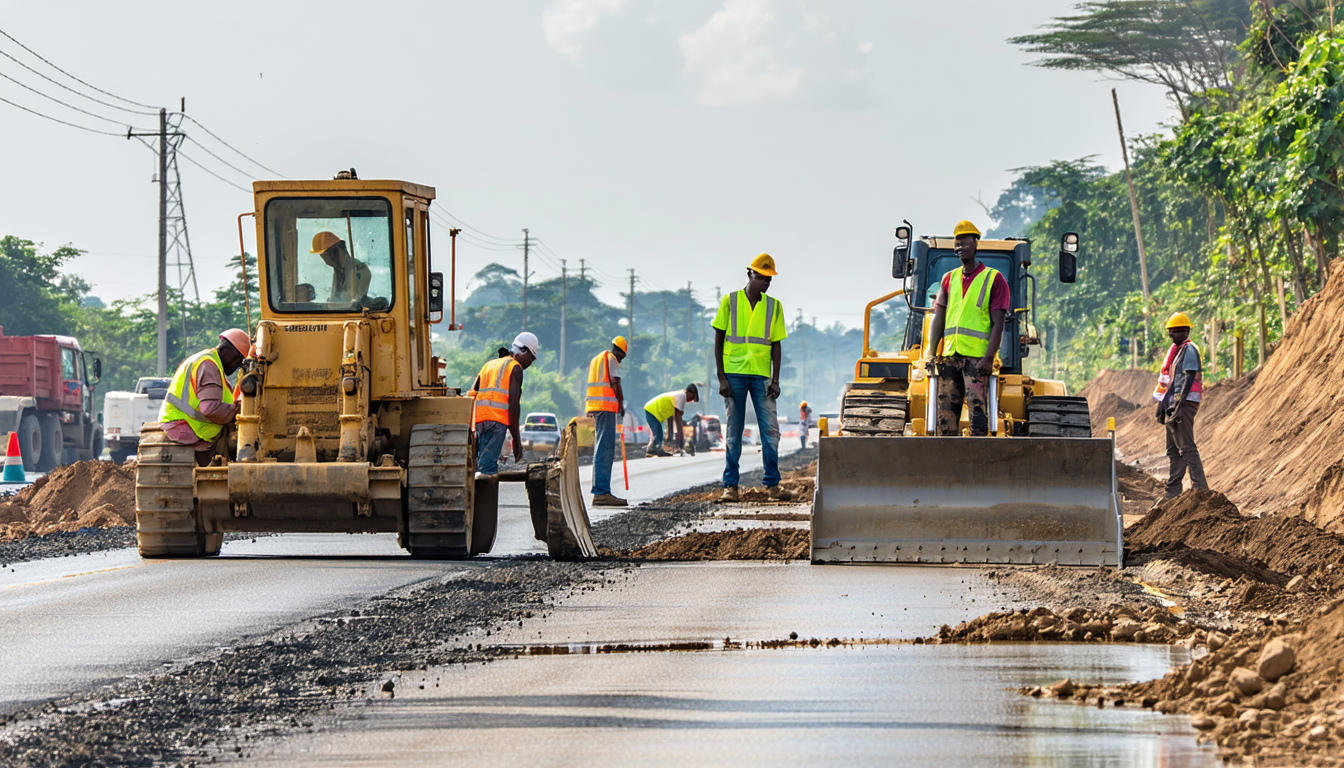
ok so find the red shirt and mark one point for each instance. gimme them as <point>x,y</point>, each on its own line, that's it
<point>999,295</point>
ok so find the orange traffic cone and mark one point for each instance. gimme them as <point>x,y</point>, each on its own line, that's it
<point>13,462</point>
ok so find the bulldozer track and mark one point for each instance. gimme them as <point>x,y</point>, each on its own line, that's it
<point>873,413</point>
<point>439,467</point>
<point>166,519</point>
<point>1058,417</point>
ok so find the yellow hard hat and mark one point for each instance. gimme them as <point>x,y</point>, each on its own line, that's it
<point>324,240</point>
<point>1179,320</point>
<point>803,404</point>
<point>764,264</point>
<point>965,227</point>
<point>619,341</point>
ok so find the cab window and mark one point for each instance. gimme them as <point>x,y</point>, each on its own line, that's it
<point>68,364</point>
<point>329,254</point>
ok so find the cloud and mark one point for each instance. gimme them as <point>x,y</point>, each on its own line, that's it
<point>765,52</point>
<point>568,22</point>
<point>623,45</point>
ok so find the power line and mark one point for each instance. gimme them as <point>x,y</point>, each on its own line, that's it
<point>58,101</point>
<point>230,146</point>
<point>58,120</point>
<point>217,157</point>
<point>184,156</point>
<point>68,88</point>
<point>72,77</point>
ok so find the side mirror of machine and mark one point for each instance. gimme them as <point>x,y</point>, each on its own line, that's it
<point>1068,258</point>
<point>97,368</point>
<point>435,297</point>
<point>900,257</point>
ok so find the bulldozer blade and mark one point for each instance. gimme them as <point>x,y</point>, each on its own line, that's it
<point>966,500</point>
<point>568,536</point>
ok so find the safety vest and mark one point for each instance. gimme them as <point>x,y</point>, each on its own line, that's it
<point>1164,377</point>
<point>601,395</point>
<point>492,399</point>
<point>746,345</point>
<point>182,402</point>
<point>662,407</point>
<point>967,325</point>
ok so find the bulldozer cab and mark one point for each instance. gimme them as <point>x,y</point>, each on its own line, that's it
<point>933,257</point>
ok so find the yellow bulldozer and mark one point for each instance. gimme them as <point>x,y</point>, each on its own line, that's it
<point>1039,489</point>
<point>346,423</point>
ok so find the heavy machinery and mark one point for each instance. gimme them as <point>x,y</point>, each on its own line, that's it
<point>46,395</point>
<point>1039,489</point>
<point>345,422</point>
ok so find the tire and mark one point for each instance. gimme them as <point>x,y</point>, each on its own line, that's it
<point>1058,417</point>
<point>119,457</point>
<point>96,445</point>
<point>53,444</point>
<point>441,463</point>
<point>30,441</point>
<point>166,520</point>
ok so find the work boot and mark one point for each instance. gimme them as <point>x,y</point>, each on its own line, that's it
<point>608,500</point>
<point>729,494</point>
<point>780,493</point>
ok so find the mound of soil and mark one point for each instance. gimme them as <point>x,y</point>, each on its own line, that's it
<point>803,483</point>
<point>756,544</point>
<point>1326,499</point>
<point>89,494</point>
<point>1119,624</point>
<point>1139,491</point>
<point>1133,385</point>
<point>1109,406</point>
<point>1287,544</point>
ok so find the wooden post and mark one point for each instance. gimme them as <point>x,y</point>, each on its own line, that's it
<point>1238,355</point>
<point>1134,211</point>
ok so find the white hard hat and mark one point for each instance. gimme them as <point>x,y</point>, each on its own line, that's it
<point>526,340</point>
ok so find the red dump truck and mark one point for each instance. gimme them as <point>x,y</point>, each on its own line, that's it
<point>46,395</point>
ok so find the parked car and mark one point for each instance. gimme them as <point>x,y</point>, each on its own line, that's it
<point>713,430</point>
<point>125,412</point>
<point>540,435</point>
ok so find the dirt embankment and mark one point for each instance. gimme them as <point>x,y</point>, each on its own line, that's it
<point>1132,386</point>
<point>89,494</point>
<point>1271,441</point>
<point>754,544</point>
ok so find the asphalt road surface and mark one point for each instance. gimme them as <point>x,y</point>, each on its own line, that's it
<point>72,623</point>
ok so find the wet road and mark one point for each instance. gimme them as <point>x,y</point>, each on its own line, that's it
<point>863,703</point>
<point>69,624</point>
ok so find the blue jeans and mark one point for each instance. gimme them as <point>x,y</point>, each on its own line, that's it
<point>745,386</point>
<point>604,450</point>
<point>655,429</point>
<point>489,442</point>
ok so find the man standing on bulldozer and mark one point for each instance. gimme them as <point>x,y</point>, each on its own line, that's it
<point>968,319</point>
<point>606,403</point>
<point>747,333</point>
<point>199,402</point>
<point>499,397</point>
<point>1180,388</point>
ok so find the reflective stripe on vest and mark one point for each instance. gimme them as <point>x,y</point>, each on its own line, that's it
<point>968,323</point>
<point>183,404</point>
<point>601,395</point>
<point>1165,375</point>
<point>492,399</point>
<point>744,352</point>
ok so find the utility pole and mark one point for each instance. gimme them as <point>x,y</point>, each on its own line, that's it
<point>689,305</point>
<point>583,269</point>
<point>564,295</point>
<point>163,243</point>
<point>667,356</point>
<point>526,244</point>
<point>630,326</point>
<point>1134,211</point>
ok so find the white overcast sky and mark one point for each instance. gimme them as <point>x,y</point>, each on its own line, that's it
<point>676,137</point>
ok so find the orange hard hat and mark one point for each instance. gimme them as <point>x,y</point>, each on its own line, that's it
<point>619,341</point>
<point>803,405</point>
<point>324,240</point>
<point>238,339</point>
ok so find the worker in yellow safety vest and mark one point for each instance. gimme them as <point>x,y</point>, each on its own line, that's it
<point>969,312</point>
<point>605,403</point>
<point>668,408</point>
<point>499,395</point>
<point>200,402</point>
<point>747,333</point>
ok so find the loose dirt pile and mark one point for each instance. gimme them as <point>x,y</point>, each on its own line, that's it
<point>1134,386</point>
<point>803,483</point>
<point>1119,624</point>
<point>1139,491</point>
<point>755,544</point>
<point>89,494</point>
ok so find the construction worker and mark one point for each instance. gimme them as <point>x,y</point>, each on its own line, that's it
<point>668,408</point>
<point>747,333</point>
<point>1180,388</point>
<point>199,402</point>
<point>349,276</point>
<point>804,416</point>
<point>499,396</point>
<point>606,403</point>
<point>969,313</point>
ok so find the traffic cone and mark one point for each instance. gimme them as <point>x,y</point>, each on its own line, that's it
<point>13,462</point>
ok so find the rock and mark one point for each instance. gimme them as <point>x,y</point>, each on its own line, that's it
<point>1215,641</point>
<point>1296,584</point>
<point>1125,629</point>
<point>1166,707</point>
<point>1248,717</point>
<point>1276,697</point>
<point>1316,734</point>
<point>1245,681</point>
<point>1223,709</point>
<point>1063,689</point>
<point>1203,722</point>
<point>1276,659</point>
